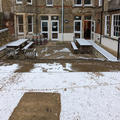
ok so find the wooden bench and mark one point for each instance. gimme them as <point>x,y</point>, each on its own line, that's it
<point>74,47</point>
<point>28,46</point>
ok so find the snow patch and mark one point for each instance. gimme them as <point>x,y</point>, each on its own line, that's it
<point>55,67</point>
<point>8,68</point>
<point>63,50</point>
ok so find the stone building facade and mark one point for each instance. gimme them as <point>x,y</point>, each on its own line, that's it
<point>0,5</point>
<point>6,14</point>
<point>111,25</point>
<point>82,18</point>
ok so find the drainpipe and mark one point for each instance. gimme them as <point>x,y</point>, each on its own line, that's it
<point>102,21</point>
<point>62,26</point>
<point>36,18</point>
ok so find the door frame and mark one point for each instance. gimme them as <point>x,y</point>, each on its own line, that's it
<point>80,28</point>
<point>54,31</point>
<point>48,27</point>
<point>93,32</point>
<point>90,28</point>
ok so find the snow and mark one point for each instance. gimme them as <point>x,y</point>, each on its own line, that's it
<point>44,50</point>
<point>74,46</point>
<point>105,53</point>
<point>2,48</point>
<point>55,67</point>
<point>6,73</point>
<point>8,68</point>
<point>46,55</point>
<point>84,96</point>
<point>63,50</point>
<point>83,42</point>
<point>18,42</point>
<point>3,30</point>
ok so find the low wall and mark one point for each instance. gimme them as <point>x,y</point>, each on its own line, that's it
<point>5,36</point>
<point>107,42</point>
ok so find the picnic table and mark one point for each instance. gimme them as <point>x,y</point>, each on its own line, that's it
<point>17,44</point>
<point>83,42</point>
<point>13,48</point>
<point>84,46</point>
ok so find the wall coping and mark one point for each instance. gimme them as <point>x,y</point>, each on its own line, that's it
<point>3,30</point>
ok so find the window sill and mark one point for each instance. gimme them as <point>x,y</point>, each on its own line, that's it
<point>20,33</point>
<point>30,33</point>
<point>112,38</point>
<point>88,5</point>
<point>29,3</point>
<point>77,5</point>
<point>20,3</point>
<point>49,5</point>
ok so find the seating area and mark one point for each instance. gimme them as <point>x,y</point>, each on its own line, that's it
<point>23,46</point>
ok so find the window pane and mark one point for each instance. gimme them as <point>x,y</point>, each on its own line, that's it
<point>77,26</point>
<point>116,25</point>
<point>49,2</point>
<point>77,35</point>
<point>44,26</point>
<point>77,2</point>
<point>87,2</point>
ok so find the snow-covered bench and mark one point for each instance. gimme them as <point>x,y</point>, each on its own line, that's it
<point>28,46</point>
<point>74,47</point>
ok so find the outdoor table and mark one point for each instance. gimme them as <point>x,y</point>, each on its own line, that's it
<point>84,46</point>
<point>83,42</point>
<point>17,44</point>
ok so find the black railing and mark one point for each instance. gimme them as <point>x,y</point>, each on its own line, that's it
<point>118,52</point>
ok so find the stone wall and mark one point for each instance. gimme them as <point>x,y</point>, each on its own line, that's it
<point>1,20</point>
<point>5,37</point>
<point>39,8</point>
<point>114,5</point>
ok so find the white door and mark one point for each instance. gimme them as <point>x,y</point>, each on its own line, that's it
<point>55,30</point>
<point>44,28</point>
<point>92,30</point>
<point>78,29</point>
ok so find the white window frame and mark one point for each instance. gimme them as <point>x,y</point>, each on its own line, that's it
<point>29,3</point>
<point>49,5</point>
<point>106,24</point>
<point>48,27</point>
<point>20,33</point>
<point>112,27</point>
<point>93,25</point>
<point>88,4</point>
<point>100,2</point>
<point>77,4</point>
<point>80,32</point>
<point>52,32</point>
<point>18,2</point>
<point>32,25</point>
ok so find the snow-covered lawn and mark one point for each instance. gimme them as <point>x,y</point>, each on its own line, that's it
<point>84,96</point>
